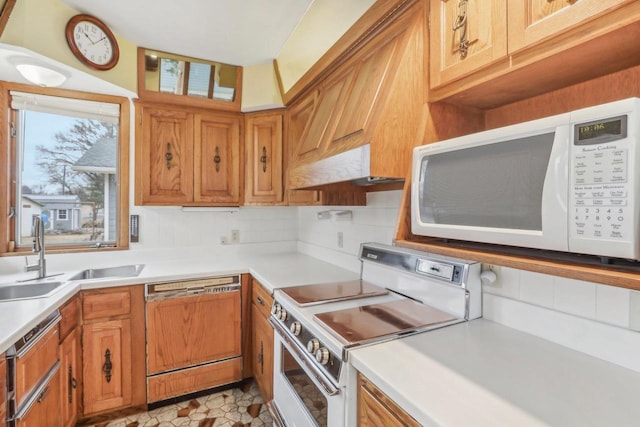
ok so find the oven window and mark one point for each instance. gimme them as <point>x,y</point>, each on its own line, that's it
<point>309,394</point>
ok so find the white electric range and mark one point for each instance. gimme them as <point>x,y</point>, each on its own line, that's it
<point>400,292</point>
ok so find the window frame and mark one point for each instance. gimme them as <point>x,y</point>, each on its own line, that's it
<point>60,217</point>
<point>8,157</point>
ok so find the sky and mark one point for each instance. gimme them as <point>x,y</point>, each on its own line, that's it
<point>40,129</point>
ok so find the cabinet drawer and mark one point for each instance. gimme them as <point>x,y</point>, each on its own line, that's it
<point>32,367</point>
<point>106,303</point>
<point>173,384</point>
<point>261,298</point>
<point>3,377</point>
<point>44,409</point>
<point>70,316</point>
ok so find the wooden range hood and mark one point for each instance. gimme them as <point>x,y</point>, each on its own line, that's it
<point>356,125</point>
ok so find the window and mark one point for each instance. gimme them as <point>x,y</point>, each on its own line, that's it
<point>178,77</point>
<point>69,163</point>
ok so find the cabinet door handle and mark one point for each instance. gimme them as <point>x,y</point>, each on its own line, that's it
<point>44,393</point>
<point>263,159</point>
<point>260,301</point>
<point>461,24</point>
<point>108,366</point>
<point>261,358</point>
<point>72,383</point>
<point>168,156</point>
<point>217,159</point>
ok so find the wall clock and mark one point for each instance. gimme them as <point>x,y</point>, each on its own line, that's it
<point>92,42</point>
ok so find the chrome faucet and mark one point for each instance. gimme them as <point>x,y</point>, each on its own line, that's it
<point>38,246</point>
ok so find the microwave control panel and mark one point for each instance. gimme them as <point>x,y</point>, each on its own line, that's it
<point>599,203</point>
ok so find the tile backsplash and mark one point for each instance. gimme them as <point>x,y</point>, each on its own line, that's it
<point>375,222</point>
<point>596,319</point>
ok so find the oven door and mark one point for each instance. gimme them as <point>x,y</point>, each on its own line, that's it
<point>303,396</point>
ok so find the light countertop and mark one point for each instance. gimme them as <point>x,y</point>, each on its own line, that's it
<point>481,373</point>
<point>272,271</point>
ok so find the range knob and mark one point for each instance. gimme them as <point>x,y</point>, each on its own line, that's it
<point>275,310</point>
<point>295,328</point>
<point>313,345</point>
<point>283,314</point>
<point>322,356</point>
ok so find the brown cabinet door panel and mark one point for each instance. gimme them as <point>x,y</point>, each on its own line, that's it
<point>107,369</point>
<point>167,150</point>
<point>69,378</point>
<point>192,330</point>
<point>533,21</point>
<point>264,159</point>
<point>262,353</point>
<point>217,156</point>
<point>485,27</point>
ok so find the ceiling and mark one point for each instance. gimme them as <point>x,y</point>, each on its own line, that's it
<point>239,32</point>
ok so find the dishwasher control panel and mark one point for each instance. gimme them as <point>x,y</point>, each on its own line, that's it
<point>176,289</point>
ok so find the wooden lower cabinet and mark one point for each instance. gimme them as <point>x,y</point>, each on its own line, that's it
<point>262,340</point>
<point>3,389</point>
<point>107,365</point>
<point>70,361</point>
<point>113,349</point>
<point>377,409</point>
<point>185,381</point>
<point>70,370</point>
<point>45,410</point>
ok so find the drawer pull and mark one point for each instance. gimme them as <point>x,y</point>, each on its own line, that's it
<point>43,394</point>
<point>72,384</point>
<point>260,301</point>
<point>217,159</point>
<point>263,159</point>
<point>106,368</point>
<point>168,156</point>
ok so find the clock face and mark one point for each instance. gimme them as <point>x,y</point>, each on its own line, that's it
<point>92,42</point>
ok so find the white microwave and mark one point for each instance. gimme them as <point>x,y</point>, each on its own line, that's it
<point>569,183</point>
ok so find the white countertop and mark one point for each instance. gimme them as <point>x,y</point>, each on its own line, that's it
<point>481,373</point>
<point>271,270</point>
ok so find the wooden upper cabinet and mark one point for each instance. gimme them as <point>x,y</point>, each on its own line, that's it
<point>465,36</point>
<point>263,133</point>
<point>533,21</point>
<point>187,157</point>
<point>217,159</point>
<point>165,156</point>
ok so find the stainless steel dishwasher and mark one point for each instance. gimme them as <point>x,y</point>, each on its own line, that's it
<point>33,376</point>
<point>193,335</point>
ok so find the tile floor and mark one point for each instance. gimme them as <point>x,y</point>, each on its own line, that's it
<point>237,407</point>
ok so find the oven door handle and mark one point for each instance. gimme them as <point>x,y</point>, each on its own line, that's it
<point>304,358</point>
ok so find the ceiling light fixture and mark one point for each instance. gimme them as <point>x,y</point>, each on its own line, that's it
<point>38,72</point>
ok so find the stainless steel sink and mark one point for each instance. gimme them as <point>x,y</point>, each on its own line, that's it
<point>28,291</point>
<point>109,272</point>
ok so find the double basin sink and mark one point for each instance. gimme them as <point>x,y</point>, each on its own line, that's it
<point>43,288</point>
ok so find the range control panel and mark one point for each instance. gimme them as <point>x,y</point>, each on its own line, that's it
<point>599,200</point>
